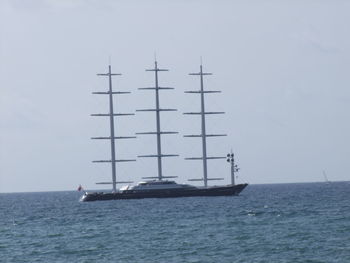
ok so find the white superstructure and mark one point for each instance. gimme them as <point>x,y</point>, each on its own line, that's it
<point>157,185</point>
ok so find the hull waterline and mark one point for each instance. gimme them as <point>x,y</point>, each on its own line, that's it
<point>229,190</point>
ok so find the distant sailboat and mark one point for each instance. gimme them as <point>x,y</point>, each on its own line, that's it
<point>325,177</point>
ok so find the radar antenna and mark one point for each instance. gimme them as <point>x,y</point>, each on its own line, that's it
<point>234,167</point>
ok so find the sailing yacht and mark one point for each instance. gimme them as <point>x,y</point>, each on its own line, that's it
<point>160,186</point>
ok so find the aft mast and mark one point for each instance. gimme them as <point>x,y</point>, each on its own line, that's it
<point>203,134</point>
<point>112,137</point>
<point>158,132</point>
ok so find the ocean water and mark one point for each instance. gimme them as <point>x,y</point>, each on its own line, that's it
<point>266,223</point>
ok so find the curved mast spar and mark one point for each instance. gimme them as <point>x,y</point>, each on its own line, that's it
<point>158,132</point>
<point>203,134</point>
<point>112,136</point>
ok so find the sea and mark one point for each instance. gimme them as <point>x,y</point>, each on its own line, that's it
<point>307,222</point>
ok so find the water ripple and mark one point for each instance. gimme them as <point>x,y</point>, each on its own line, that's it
<point>267,223</point>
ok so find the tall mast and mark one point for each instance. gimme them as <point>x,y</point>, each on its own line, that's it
<point>112,137</point>
<point>159,146</point>
<point>204,138</point>
<point>158,132</point>
<point>203,134</point>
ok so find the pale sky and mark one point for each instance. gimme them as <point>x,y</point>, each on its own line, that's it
<point>283,68</point>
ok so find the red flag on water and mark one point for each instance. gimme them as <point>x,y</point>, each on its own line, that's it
<point>80,188</point>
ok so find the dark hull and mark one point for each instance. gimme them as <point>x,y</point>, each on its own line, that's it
<point>128,194</point>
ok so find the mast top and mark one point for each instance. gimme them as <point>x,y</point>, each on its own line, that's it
<point>200,73</point>
<point>156,69</point>
<point>109,73</point>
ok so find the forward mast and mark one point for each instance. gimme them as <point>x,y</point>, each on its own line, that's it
<point>203,134</point>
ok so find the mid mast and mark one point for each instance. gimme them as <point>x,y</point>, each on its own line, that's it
<point>112,136</point>
<point>158,131</point>
<point>203,134</point>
